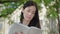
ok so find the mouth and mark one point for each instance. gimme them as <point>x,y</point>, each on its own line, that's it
<point>29,17</point>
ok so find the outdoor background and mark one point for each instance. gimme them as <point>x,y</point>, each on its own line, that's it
<point>49,14</point>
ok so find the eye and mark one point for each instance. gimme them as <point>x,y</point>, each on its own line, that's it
<point>33,12</point>
<point>28,10</point>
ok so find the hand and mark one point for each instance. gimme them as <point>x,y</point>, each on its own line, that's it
<point>19,33</point>
<point>15,33</point>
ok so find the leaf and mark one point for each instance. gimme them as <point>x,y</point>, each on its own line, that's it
<point>38,1</point>
<point>47,2</point>
<point>10,7</point>
<point>52,13</point>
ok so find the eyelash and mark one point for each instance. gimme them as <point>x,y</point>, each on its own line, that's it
<point>32,12</point>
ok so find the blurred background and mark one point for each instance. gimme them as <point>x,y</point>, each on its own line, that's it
<point>49,14</point>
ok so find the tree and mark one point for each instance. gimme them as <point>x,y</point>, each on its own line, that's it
<point>52,10</point>
<point>57,8</point>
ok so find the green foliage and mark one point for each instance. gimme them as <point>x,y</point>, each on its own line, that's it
<point>52,12</point>
<point>47,2</point>
<point>38,3</point>
<point>10,7</point>
<point>5,12</point>
<point>9,0</point>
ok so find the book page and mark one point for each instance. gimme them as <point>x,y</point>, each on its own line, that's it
<point>23,29</point>
<point>34,30</point>
<point>18,29</point>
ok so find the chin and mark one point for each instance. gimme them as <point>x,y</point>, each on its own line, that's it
<point>28,19</point>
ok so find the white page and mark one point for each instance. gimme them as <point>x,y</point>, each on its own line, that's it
<point>34,30</point>
<point>18,28</point>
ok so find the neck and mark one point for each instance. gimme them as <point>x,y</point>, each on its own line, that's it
<point>26,22</point>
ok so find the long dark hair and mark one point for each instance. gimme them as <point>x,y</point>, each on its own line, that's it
<point>35,21</point>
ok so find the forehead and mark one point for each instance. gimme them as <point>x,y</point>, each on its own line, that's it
<point>33,8</point>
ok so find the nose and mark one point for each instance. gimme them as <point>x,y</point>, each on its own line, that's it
<point>30,14</point>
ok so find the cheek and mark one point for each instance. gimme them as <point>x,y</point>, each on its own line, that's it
<point>27,17</point>
<point>32,16</point>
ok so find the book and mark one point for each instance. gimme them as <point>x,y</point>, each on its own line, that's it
<point>23,29</point>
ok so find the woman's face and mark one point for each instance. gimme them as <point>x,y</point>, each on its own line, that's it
<point>29,12</point>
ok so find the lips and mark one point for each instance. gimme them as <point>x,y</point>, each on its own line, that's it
<point>28,17</point>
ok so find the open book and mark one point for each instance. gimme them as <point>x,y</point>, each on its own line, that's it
<point>23,29</point>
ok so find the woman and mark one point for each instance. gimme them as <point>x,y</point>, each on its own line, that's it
<point>29,17</point>
<point>29,14</point>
